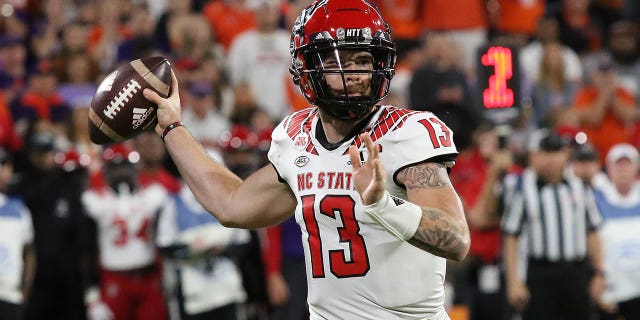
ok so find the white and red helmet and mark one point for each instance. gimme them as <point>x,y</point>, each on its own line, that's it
<point>327,26</point>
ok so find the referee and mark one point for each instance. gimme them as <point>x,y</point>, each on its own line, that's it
<point>554,213</point>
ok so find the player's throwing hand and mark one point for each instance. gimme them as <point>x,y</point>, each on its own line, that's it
<point>168,109</point>
<point>368,176</point>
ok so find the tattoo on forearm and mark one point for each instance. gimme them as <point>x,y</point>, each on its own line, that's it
<point>425,175</point>
<point>438,235</point>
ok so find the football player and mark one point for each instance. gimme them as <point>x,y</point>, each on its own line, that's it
<point>368,183</point>
<point>124,212</point>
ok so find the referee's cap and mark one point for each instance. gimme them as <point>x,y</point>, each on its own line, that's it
<point>585,152</point>
<point>547,141</point>
<point>622,151</point>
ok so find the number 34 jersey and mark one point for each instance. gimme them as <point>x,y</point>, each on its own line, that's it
<point>356,269</point>
<point>125,223</point>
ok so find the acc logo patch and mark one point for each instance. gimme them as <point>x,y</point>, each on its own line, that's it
<point>301,161</point>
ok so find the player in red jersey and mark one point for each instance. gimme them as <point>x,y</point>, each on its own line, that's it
<point>376,237</point>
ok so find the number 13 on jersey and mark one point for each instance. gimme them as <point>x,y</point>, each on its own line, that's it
<point>440,137</point>
<point>343,263</point>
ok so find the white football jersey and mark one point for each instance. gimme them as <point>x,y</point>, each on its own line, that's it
<point>16,231</point>
<point>125,223</point>
<point>356,269</point>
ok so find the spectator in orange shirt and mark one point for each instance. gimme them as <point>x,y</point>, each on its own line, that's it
<point>519,17</point>
<point>406,19</point>
<point>229,18</point>
<point>607,113</point>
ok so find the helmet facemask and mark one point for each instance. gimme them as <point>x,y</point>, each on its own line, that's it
<point>362,80</point>
<point>342,29</point>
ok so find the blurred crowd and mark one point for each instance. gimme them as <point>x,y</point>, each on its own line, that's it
<point>111,232</point>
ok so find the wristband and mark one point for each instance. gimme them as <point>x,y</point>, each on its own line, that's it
<point>169,128</point>
<point>398,216</point>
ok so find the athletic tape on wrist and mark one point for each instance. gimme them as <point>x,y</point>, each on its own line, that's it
<point>398,216</point>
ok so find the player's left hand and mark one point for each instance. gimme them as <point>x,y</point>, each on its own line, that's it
<point>368,177</point>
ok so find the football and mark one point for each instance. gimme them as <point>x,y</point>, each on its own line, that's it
<point>119,111</point>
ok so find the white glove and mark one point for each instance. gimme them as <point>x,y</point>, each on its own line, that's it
<point>96,308</point>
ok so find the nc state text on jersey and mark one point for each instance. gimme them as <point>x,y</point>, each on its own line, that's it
<point>325,180</point>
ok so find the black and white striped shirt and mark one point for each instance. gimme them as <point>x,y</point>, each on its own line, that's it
<point>555,218</point>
